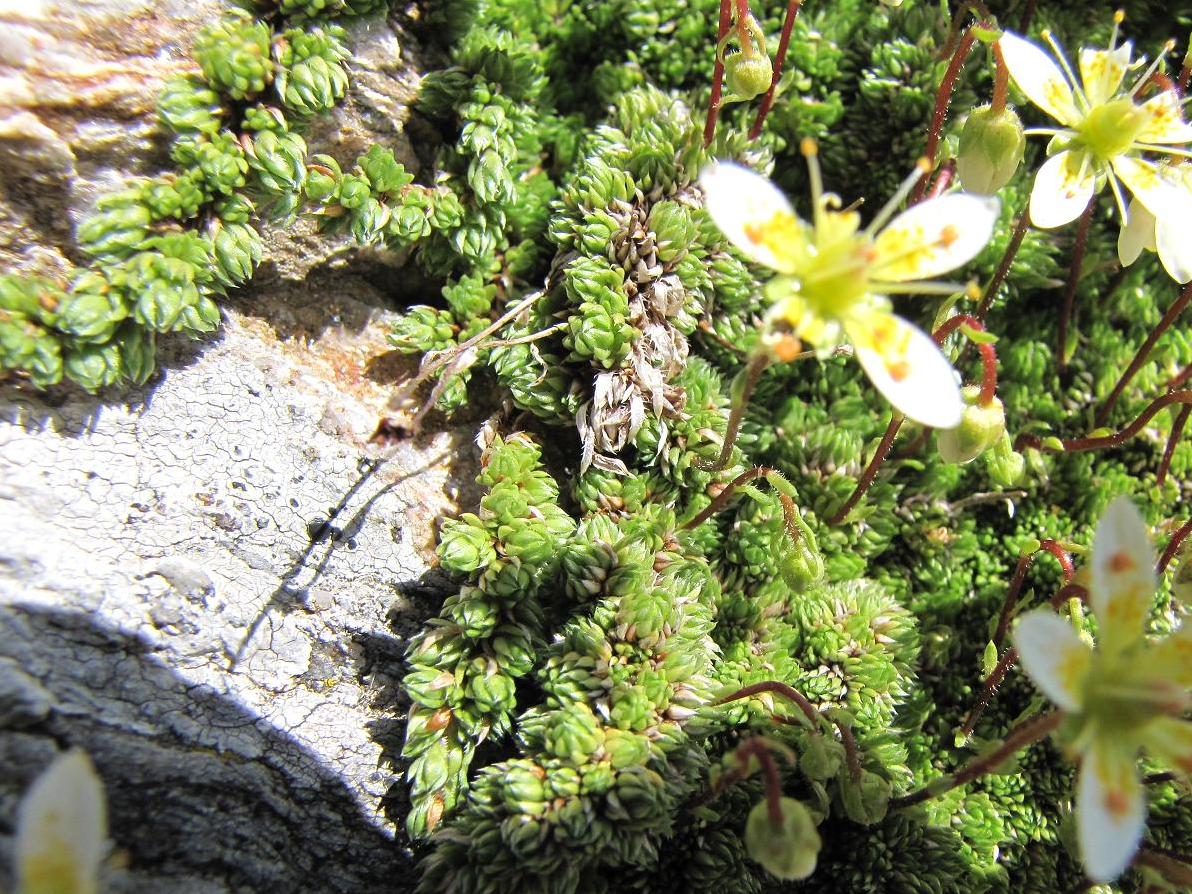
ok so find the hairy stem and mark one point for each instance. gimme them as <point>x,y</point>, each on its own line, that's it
<point>1077,262</point>
<point>774,687</point>
<point>1025,734</point>
<point>1077,445</point>
<point>753,371</point>
<point>784,41</point>
<point>1144,351</point>
<point>1003,266</point>
<point>1173,546</point>
<point>726,13</point>
<point>1177,429</point>
<point>943,98</point>
<point>1001,79</point>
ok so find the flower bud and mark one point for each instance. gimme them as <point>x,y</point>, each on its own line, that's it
<point>980,427</point>
<point>867,800</point>
<point>748,76</point>
<point>787,850</point>
<point>799,562</point>
<point>991,147</point>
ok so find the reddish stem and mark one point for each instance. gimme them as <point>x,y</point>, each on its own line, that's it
<point>1001,78</point>
<point>1177,429</point>
<point>875,463</point>
<point>1173,546</point>
<point>784,40</point>
<point>1181,378</point>
<point>1028,13</point>
<point>1141,355</point>
<point>943,98</point>
<point>756,747</point>
<point>1003,267</point>
<point>753,372</point>
<point>988,388</point>
<point>851,754</point>
<point>1010,656</point>
<point>1077,445</point>
<point>722,498</point>
<point>775,687</point>
<point>1082,237</point>
<point>1026,733</point>
<point>742,16</point>
<point>726,14</point>
<point>943,179</point>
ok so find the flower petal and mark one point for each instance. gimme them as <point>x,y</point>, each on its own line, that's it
<point>1137,233</point>
<point>1063,188</point>
<point>1101,72</point>
<point>1171,658</point>
<point>1110,809</point>
<point>934,237</point>
<point>1158,187</point>
<point>1165,122</point>
<point>62,829</point>
<point>1123,577</point>
<point>1053,656</point>
<point>754,214</point>
<point>1170,741</point>
<point>1039,78</point>
<point>906,366</point>
<point>1173,241</point>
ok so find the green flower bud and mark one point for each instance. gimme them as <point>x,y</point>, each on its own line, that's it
<point>1006,466</point>
<point>866,801</point>
<point>93,366</point>
<point>822,758</point>
<point>990,150</point>
<point>748,77</point>
<point>234,55</point>
<point>799,561</point>
<point>465,544</point>
<point>788,849</point>
<point>981,426</point>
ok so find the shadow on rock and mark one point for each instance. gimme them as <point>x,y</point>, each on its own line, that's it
<point>204,795</point>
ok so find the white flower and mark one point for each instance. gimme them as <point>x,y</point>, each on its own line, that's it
<point>1125,695</point>
<point>62,829</point>
<point>1169,237</point>
<point>1105,131</point>
<point>834,276</point>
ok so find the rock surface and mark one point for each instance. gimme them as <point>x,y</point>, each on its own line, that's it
<point>208,583</point>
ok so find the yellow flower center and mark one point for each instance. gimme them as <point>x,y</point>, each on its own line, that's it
<point>834,274</point>
<point>1111,128</point>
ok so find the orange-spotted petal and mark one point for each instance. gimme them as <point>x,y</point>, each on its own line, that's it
<point>754,214</point>
<point>1053,656</point>
<point>1110,808</point>
<point>1164,120</point>
<point>1063,188</point>
<point>906,366</point>
<point>1039,78</point>
<point>1101,72</point>
<point>934,237</point>
<point>1123,578</point>
<point>62,829</point>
